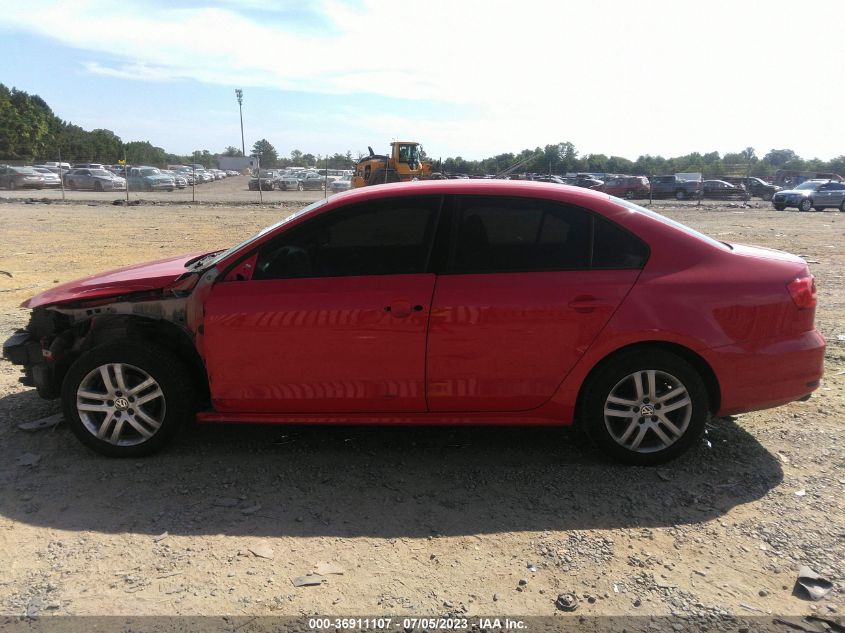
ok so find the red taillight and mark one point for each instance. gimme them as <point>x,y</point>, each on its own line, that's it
<point>803,291</point>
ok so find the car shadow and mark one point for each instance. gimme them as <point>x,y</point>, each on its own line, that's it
<point>367,481</point>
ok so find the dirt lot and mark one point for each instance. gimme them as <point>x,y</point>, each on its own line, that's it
<point>421,521</point>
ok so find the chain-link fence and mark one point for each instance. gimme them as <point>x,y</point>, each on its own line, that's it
<point>245,180</point>
<point>228,179</point>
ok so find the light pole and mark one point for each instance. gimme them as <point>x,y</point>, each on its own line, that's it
<point>240,95</point>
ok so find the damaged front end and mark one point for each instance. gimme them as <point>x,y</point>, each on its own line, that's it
<point>57,335</point>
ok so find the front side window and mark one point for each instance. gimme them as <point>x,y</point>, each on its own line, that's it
<point>383,237</point>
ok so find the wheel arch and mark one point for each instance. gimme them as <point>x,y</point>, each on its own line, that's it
<point>701,366</point>
<point>114,328</point>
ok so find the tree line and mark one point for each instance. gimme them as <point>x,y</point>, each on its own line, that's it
<point>31,132</point>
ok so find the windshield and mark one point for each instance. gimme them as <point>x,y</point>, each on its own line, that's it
<point>245,244</point>
<point>102,173</point>
<point>150,172</point>
<point>662,218</point>
<point>812,186</point>
<point>266,174</point>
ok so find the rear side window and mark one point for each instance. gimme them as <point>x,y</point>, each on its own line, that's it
<point>500,235</point>
<point>615,248</point>
<point>520,235</point>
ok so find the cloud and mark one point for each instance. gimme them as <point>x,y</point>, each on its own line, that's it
<point>619,77</point>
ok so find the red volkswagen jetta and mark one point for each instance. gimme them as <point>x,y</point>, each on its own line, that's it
<point>447,302</point>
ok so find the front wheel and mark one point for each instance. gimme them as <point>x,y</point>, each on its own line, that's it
<point>779,207</point>
<point>126,399</point>
<point>645,407</point>
<point>681,195</point>
<point>805,205</point>
<point>629,194</point>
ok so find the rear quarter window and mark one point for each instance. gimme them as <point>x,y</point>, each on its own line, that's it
<point>616,248</point>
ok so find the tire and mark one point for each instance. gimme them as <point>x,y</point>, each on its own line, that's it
<point>300,187</point>
<point>779,207</point>
<point>616,434</point>
<point>12,184</point>
<point>98,186</point>
<point>767,197</point>
<point>842,206</point>
<point>148,187</point>
<point>681,194</point>
<point>139,363</point>
<point>805,205</point>
<point>72,184</point>
<point>629,194</point>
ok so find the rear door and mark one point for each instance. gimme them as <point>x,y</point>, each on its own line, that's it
<point>528,286</point>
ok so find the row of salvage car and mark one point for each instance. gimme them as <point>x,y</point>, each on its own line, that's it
<point>99,177</point>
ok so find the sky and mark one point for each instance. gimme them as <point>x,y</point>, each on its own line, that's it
<point>464,78</point>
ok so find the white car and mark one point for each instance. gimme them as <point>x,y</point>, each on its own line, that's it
<point>344,183</point>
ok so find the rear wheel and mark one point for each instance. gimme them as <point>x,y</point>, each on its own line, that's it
<point>300,187</point>
<point>767,196</point>
<point>629,194</point>
<point>681,194</point>
<point>842,206</point>
<point>645,407</point>
<point>805,205</point>
<point>126,399</point>
<point>98,186</point>
<point>148,187</point>
<point>72,184</point>
<point>12,184</point>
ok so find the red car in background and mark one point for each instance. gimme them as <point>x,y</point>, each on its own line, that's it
<point>442,302</point>
<point>627,186</point>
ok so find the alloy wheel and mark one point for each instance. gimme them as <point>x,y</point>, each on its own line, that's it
<point>647,411</point>
<point>120,404</point>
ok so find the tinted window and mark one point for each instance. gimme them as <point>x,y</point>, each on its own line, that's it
<point>519,235</point>
<point>614,247</point>
<point>386,237</point>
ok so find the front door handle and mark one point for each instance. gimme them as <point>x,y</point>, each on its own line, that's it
<point>587,303</point>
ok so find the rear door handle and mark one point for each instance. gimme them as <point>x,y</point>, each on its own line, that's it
<point>402,308</point>
<point>587,303</point>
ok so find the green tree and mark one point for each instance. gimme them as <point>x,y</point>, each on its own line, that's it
<point>266,153</point>
<point>231,150</point>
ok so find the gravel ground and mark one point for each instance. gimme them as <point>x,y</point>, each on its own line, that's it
<point>419,520</point>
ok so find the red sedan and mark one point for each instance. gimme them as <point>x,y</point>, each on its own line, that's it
<point>441,302</point>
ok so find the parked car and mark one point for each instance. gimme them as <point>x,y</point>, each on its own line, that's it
<point>587,182</point>
<point>94,179</point>
<point>662,186</point>
<point>51,178</point>
<point>812,194</point>
<point>722,190</point>
<point>757,187</point>
<point>150,179</point>
<point>344,183</point>
<point>268,179</point>
<point>435,302</point>
<point>21,178</point>
<point>626,186</point>
<point>550,178</point>
<point>178,179</point>
<point>89,166</point>
<point>232,172</point>
<point>303,180</point>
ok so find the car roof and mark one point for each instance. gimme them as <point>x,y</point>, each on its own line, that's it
<point>526,188</point>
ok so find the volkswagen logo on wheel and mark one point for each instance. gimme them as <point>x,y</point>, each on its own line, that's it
<point>645,411</point>
<point>121,404</point>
